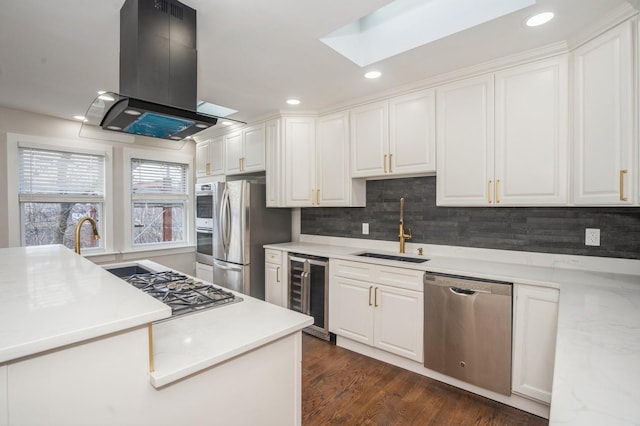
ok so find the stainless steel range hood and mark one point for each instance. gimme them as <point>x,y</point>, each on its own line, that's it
<point>158,74</point>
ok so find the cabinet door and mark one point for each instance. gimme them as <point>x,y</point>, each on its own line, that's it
<point>603,119</point>
<point>4,405</point>
<point>216,155</point>
<point>465,142</point>
<point>274,284</point>
<point>398,322</point>
<point>534,335</point>
<point>204,272</point>
<point>203,165</point>
<point>531,146</point>
<point>233,152</point>
<point>253,149</point>
<point>412,133</point>
<point>353,310</point>
<point>299,162</point>
<point>370,140</point>
<point>273,166</point>
<point>333,181</point>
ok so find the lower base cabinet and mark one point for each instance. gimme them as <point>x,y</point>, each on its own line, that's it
<point>381,316</point>
<point>275,277</point>
<point>534,334</point>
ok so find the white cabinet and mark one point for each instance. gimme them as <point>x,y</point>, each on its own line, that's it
<point>275,275</point>
<point>502,138</point>
<point>317,163</point>
<point>412,133</point>
<point>300,162</point>
<point>245,150</point>
<point>274,170</point>
<point>395,137</point>
<point>386,317</point>
<point>334,185</point>
<point>210,157</point>
<point>534,340</point>
<point>604,162</point>
<point>204,272</point>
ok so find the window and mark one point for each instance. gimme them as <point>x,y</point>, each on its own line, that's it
<point>56,188</point>
<point>159,195</point>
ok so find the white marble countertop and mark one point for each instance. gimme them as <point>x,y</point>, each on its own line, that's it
<point>51,297</point>
<point>597,374</point>
<point>190,343</point>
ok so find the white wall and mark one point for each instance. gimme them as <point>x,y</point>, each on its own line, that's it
<point>27,123</point>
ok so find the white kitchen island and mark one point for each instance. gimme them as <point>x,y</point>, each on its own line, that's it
<point>75,349</point>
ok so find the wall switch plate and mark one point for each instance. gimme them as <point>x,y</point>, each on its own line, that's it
<point>592,237</point>
<point>365,229</point>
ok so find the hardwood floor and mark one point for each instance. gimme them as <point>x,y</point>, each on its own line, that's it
<point>340,387</point>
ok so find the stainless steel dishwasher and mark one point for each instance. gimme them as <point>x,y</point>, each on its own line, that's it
<point>467,329</point>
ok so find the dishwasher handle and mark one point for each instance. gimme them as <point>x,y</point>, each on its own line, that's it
<point>467,291</point>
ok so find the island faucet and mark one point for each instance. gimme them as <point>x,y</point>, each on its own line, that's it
<point>403,236</point>
<point>94,226</point>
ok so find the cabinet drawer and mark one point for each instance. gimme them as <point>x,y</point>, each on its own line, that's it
<point>272,256</point>
<point>354,270</point>
<point>398,277</point>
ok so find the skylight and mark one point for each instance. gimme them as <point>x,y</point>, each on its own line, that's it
<point>213,109</point>
<point>406,24</point>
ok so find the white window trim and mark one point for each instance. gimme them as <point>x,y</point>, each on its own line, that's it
<point>171,157</point>
<point>16,140</point>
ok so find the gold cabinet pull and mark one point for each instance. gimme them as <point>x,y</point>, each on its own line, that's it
<point>489,195</point>
<point>497,191</point>
<point>375,298</point>
<point>312,194</point>
<point>622,173</point>
<point>317,197</point>
<point>208,169</point>
<point>385,163</point>
<point>390,161</point>
<point>370,288</point>
<point>277,274</point>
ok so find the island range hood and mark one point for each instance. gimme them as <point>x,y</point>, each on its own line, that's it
<point>158,74</point>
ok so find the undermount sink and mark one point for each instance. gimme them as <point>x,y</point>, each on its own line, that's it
<point>392,257</point>
<point>127,271</point>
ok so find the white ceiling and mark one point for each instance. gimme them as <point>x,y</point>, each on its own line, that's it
<point>252,54</point>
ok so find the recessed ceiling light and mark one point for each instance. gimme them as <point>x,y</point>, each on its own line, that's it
<point>293,101</point>
<point>80,117</point>
<point>132,112</point>
<point>373,74</point>
<point>176,138</point>
<point>540,19</point>
<point>201,126</point>
<point>114,128</point>
<point>226,123</point>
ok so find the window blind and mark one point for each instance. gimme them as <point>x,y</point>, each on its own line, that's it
<point>158,177</point>
<point>42,171</point>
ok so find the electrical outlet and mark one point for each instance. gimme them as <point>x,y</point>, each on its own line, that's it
<point>592,237</point>
<point>365,229</point>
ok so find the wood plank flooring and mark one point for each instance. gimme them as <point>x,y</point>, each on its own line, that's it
<point>340,387</point>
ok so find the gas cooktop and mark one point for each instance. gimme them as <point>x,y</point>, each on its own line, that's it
<point>182,293</point>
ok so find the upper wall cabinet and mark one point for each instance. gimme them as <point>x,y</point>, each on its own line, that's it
<point>395,137</point>
<point>274,173</point>
<point>245,150</point>
<point>210,157</point>
<point>502,138</point>
<point>604,163</point>
<point>317,163</point>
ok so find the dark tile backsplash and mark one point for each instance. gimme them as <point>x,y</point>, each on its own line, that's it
<point>536,229</point>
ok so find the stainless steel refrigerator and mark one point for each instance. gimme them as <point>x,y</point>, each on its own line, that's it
<point>241,226</point>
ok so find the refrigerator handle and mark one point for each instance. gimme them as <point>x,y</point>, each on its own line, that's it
<point>224,220</point>
<point>226,267</point>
